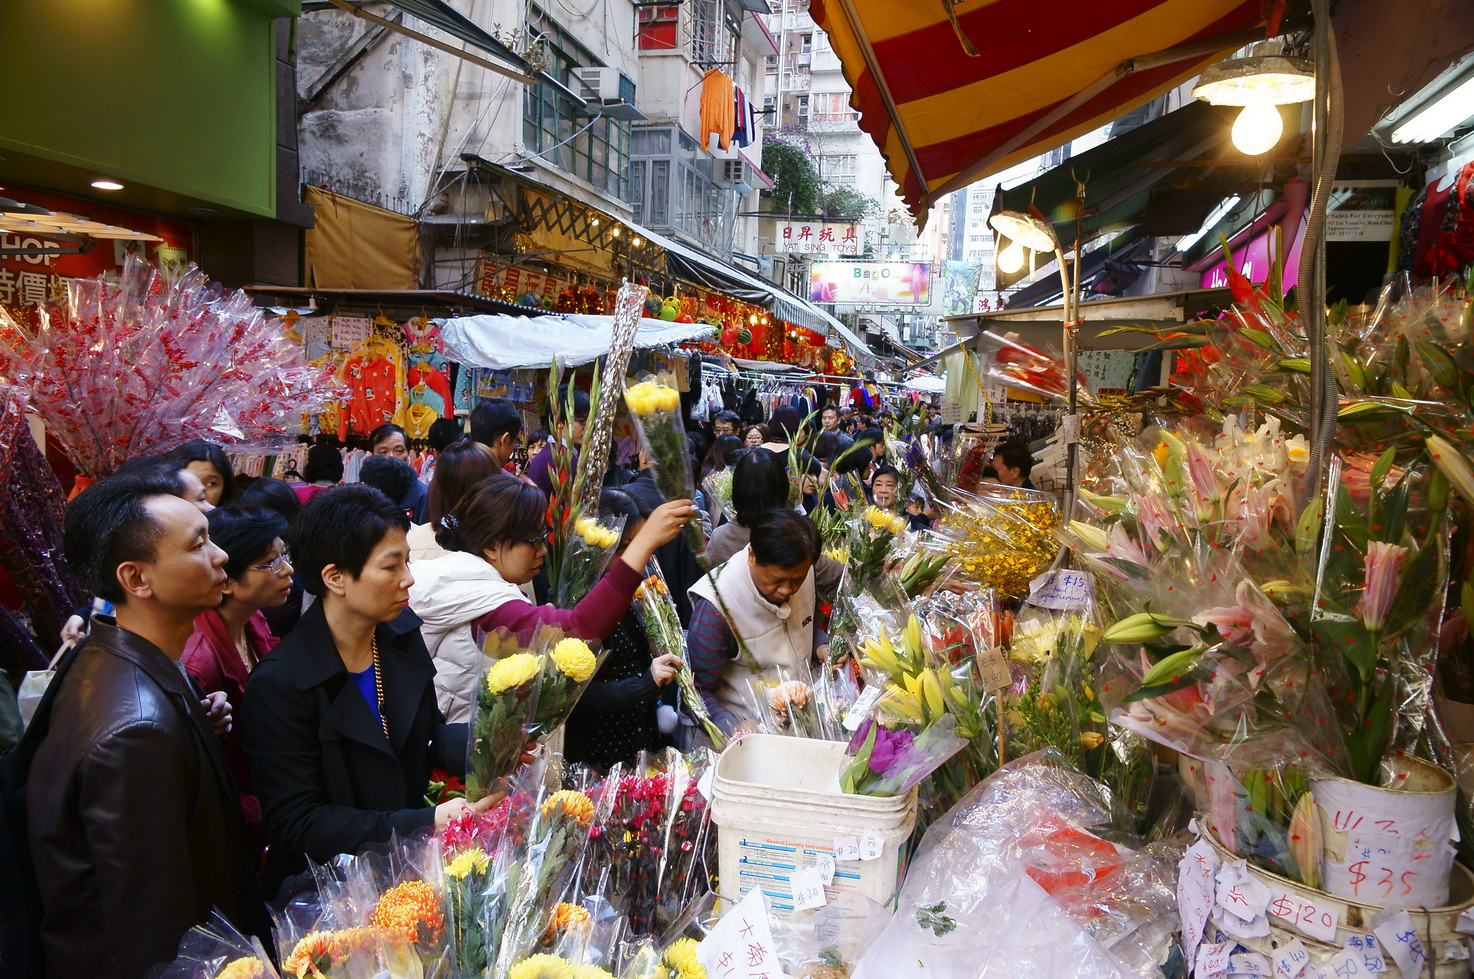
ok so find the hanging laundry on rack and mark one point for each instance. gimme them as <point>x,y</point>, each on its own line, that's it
<point>718,116</point>
<point>423,373</point>
<point>375,379</point>
<point>744,128</point>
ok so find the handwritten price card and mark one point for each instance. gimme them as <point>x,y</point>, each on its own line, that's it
<point>741,945</point>
<point>1317,920</point>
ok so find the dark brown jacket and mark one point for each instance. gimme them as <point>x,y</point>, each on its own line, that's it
<point>134,823</point>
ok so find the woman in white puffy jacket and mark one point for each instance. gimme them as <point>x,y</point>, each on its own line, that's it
<point>496,538</point>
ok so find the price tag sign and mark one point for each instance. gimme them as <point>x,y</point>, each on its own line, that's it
<point>824,863</point>
<point>740,946</point>
<point>1290,960</point>
<point>993,669</point>
<point>1399,939</point>
<point>1062,590</point>
<point>871,847</point>
<point>1249,964</point>
<point>857,713</point>
<point>1313,919</point>
<point>808,889</point>
<point>1070,428</point>
<point>846,848</point>
<point>1213,960</point>
<point>350,331</point>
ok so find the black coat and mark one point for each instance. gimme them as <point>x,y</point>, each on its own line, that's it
<point>134,822</point>
<point>327,779</point>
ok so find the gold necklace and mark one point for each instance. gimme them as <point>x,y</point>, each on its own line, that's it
<point>379,686</point>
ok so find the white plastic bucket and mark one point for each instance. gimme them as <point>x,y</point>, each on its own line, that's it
<point>1389,845</point>
<point>1437,928</point>
<point>778,808</point>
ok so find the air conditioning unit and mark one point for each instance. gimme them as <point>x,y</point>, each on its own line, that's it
<point>732,172</point>
<point>605,85</point>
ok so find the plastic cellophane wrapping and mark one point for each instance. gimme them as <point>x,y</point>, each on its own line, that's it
<point>1027,876</point>
<point>132,365</point>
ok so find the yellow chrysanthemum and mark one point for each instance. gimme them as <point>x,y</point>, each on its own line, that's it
<point>590,972</point>
<point>311,949</point>
<point>881,520</point>
<point>248,967</point>
<point>574,659</point>
<point>511,672</point>
<point>474,859</point>
<point>412,910</point>
<point>680,962</point>
<point>573,804</point>
<point>542,967</point>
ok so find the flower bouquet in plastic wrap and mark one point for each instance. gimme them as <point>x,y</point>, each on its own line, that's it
<point>586,555</point>
<point>791,704</point>
<point>216,950</point>
<point>657,614</point>
<point>1000,537</point>
<point>1032,851</point>
<point>655,407</point>
<point>132,365</point>
<point>505,716</point>
<point>568,666</point>
<point>1007,361</point>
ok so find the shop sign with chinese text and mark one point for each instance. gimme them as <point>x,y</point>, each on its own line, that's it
<point>818,237</point>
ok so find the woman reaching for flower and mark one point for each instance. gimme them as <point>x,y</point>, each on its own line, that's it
<point>497,536</point>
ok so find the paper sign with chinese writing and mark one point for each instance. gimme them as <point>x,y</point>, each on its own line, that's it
<point>351,331</point>
<point>818,237</point>
<point>1399,939</point>
<point>519,282</point>
<point>741,945</point>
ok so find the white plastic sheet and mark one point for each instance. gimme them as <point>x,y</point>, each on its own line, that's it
<point>533,342</point>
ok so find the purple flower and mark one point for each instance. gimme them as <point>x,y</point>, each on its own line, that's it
<point>889,746</point>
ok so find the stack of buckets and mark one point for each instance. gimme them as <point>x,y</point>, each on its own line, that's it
<point>778,808</point>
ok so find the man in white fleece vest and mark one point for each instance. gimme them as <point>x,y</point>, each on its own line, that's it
<point>765,595</point>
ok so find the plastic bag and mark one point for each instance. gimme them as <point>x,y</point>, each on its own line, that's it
<point>503,721</point>
<point>586,555</point>
<point>1112,913</point>
<point>216,950</point>
<point>656,409</point>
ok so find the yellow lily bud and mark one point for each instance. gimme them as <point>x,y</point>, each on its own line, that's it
<point>933,692</point>
<point>1089,535</point>
<point>1451,462</point>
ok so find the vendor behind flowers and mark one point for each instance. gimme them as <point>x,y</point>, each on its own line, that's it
<point>765,595</point>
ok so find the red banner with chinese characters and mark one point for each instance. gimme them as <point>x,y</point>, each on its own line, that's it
<point>28,281</point>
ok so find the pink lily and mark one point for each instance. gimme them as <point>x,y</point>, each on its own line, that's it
<point>1381,565</point>
<point>1206,491</point>
<point>1254,624</point>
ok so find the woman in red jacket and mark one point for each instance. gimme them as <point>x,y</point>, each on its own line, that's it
<point>230,640</point>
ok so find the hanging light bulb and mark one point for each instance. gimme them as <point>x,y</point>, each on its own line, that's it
<point>1257,129</point>
<point>1011,259</point>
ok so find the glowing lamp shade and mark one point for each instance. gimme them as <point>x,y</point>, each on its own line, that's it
<point>1257,129</point>
<point>1011,259</point>
<point>1258,80</point>
<point>1025,229</point>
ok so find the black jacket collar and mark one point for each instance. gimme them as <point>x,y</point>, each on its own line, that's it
<point>407,668</point>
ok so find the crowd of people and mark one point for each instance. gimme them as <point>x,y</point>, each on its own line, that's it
<point>269,672</point>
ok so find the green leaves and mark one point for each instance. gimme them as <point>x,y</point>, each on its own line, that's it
<point>1440,364</point>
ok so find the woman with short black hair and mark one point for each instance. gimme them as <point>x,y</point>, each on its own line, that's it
<point>322,471</point>
<point>210,465</point>
<point>340,722</point>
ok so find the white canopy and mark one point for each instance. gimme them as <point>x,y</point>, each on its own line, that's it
<point>926,384</point>
<point>529,342</point>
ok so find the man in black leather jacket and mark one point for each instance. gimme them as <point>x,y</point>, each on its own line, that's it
<point>133,815</point>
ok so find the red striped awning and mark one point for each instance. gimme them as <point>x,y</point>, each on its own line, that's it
<point>1046,72</point>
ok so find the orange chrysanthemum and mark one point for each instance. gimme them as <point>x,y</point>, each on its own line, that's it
<point>312,951</point>
<point>564,916</point>
<point>411,910</point>
<point>575,804</point>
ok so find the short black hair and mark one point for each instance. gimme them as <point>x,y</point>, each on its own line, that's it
<point>730,417</point>
<point>759,483</point>
<point>785,422</point>
<point>109,524</point>
<point>828,408</point>
<point>444,432</point>
<point>890,471</point>
<point>324,464</point>
<point>615,502</point>
<point>1016,455</point>
<point>493,418</point>
<point>851,459</point>
<point>390,476</point>
<point>988,473</point>
<point>341,527</point>
<point>245,534</point>
<point>384,431</point>
<point>580,402</point>
<point>826,446</point>
<point>199,450</point>
<point>274,494</point>
<point>871,436</point>
<point>782,537</point>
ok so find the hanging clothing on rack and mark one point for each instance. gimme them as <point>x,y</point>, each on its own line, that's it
<point>718,116</point>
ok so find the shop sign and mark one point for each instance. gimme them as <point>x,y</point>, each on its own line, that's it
<point>873,283</point>
<point>518,281</point>
<point>29,282</point>
<point>1253,260</point>
<point>811,237</point>
<point>1362,210</point>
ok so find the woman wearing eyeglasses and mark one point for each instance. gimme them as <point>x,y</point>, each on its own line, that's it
<point>230,640</point>
<point>497,538</point>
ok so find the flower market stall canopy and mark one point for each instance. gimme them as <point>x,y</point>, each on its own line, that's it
<point>523,343</point>
<point>945,116</point>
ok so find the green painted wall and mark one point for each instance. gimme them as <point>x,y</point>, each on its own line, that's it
<point>174,94</point>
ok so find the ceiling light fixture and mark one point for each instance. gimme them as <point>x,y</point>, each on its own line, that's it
<point>1258,83</point>
<point>1033,233</point>
<point>1438,117</point>
<point>102,183</point>
<point>1011,259</point>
